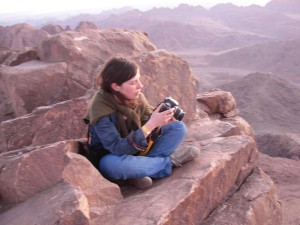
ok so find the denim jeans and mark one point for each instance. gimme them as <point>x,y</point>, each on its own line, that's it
<point>155,164</point>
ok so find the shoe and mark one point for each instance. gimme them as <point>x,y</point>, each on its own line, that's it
<point>183,155</point>
<point>141,183</point>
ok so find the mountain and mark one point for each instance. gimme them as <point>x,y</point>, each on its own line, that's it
<point>269,103</point>
<point>222,27</point>
<point>278,57</point>
<point>187,27</point>
<point>287,6</point>
<point>258,20</point>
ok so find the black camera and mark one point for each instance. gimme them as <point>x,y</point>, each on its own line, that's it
<point>169,103</point>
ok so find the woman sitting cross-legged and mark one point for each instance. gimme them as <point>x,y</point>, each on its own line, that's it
<point>123,125</point>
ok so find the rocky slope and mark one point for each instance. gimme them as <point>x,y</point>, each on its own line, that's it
<point>268,102</point>
<point>44,181</point>
<point>278,57</point>
<point>33,126</point>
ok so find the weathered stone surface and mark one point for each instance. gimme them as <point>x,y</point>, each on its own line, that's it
<point>52,29</point>
<point>99,192</point>
<point>25,172</point>
<point>46,125</point>
<point>286,175</point>
<point>61,204</point>
<point>14,58</point>
<point>279,145</point>
<point>206,129</point>
<point>189,194</point>
<point>218,101</point>
<point>257,203</point>
<point>231,113</point>
<point>21,36</point>
<point>33,84</point>
<point>72,46</point>
<point>86,25</point>
<point>3,146</point>
<point>243,125</point>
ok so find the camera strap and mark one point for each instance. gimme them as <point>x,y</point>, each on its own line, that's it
<point>150,143</point>
<point>153,136</point>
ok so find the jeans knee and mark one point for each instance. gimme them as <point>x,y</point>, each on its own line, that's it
<point>181,126</point>
<point>178,127</point>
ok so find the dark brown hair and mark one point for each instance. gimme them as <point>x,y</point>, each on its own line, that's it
<point>116,70</point>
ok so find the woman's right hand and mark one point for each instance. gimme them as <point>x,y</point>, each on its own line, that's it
<point>159,119</point>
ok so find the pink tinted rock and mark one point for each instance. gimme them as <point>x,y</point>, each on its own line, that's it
<point>60,204</point>
<point>25,172</point>
<point>256,201</point>
<point>218,101</point>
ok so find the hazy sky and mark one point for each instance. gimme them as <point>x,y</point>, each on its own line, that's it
<point>11,6</point>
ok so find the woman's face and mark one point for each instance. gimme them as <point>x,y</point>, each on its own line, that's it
<point>131,89</point>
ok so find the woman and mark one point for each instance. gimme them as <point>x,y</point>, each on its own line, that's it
<point>121,124</point>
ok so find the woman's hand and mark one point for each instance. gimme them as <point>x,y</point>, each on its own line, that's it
<point>158,119</point>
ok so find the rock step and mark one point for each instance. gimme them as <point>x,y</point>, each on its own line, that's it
<point>219,185</point>
<point>62,202</point>
<point>189,195</point>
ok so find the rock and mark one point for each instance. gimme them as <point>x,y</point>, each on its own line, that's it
<point>99,192</point>
<point>53,174</point>
<point>33,84</point>
<point>244,127</point>
<point>204,130</point>
<point>279,145</point>
<point>218,101</point>
<point>46,125</point>
<point>70,61</point>
<point>231,113</point>
<point>52,29</point>
<point>85,25</point>
<point>14,58</point>
<point>191,192</point>
<point>286,175</point>
<point>21,36</point>
<point>26,172</point>
<point>44,181</point>
<point>257,203</point>
<point>61,204</point>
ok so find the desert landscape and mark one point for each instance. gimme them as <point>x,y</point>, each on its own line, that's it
<point>251,52</point>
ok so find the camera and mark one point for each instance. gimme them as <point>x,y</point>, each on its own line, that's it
<point>169,103</point>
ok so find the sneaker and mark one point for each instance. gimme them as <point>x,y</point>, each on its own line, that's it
<point>184,155</point>
<point>141,183</point>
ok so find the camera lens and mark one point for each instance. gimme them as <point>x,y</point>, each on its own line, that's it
<point>178,113</point>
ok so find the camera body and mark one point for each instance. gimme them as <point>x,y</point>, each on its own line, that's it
<point>169,103</point>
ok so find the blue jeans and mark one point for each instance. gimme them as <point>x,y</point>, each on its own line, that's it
<point>155,164</point>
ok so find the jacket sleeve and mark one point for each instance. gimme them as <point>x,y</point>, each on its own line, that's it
<point>108,135</point>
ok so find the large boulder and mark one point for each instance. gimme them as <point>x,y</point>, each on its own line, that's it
<point>68,63</point>
<point>21,36</point>
<point>49,124</point>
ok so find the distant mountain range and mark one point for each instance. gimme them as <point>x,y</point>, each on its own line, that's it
<point>222,27</point>
<point>269,103</point>
<point>277,57</point>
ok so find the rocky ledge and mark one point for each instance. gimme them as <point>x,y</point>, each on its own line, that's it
<point>51,183</point>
